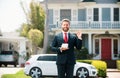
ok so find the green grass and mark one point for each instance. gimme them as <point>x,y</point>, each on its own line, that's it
<point>19,74</point>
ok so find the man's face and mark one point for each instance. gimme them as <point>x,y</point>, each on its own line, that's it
<point>65,26</point>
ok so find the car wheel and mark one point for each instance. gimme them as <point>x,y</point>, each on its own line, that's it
<point>5,65</point>
<point>82,73</point>
<point>15,65</point>
<point>0,65</point>
<point>35,72</point>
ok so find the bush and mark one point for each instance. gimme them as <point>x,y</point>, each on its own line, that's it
<point>118,64</point>
<point>82,54</point>
<point>101,67</point>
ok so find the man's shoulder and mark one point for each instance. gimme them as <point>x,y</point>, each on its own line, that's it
<point>58,34</point>
<point>72,34</point>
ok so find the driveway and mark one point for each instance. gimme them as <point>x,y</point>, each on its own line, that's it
<point>9,70</point>
<point>111,73</point>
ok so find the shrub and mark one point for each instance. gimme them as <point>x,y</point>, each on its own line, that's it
<point>82,54</point>
<point>101,67</point>
<point>118,64</point>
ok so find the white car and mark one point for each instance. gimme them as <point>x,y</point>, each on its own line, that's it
<point>45,65</point>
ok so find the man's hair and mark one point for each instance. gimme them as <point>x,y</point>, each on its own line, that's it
<point>65,20</point>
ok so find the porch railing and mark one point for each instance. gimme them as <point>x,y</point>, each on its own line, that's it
<point>90,25</point>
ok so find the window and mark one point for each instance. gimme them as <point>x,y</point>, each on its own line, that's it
<point>46,58</point>
<point>96,14</point>
<point>116,14</point>
<point>50,11</point>
<point>115,47</point>
<point>81,15</point>
<point>106,14</point>
<point>65,13</point>
<point>96,46</point>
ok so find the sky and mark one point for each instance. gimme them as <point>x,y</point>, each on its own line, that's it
<point>11,15</point>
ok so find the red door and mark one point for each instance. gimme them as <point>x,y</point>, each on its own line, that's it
<point>106,49</point>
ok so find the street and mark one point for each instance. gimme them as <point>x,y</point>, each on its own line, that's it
<point>112,73</point>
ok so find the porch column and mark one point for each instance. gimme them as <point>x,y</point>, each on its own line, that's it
<point>89,43</point>
<point>22,51</point>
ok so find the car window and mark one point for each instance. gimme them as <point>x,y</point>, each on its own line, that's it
<point>46,58</point>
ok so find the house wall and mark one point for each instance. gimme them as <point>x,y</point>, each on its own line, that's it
<point>82,14</point>
<point>82,18</point>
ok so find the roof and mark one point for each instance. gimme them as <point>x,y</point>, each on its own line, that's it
<point>11,36</point>
<point>88,0</point>
<point>64,1</point>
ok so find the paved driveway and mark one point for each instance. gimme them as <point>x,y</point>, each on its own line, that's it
<point>12,70</point>
<point>113,74</point>
<point>9,70</point>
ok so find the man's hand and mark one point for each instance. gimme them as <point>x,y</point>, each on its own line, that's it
<point>63,49</point>
<point>79,35</point>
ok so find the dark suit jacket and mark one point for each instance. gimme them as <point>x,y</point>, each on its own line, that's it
<point>68,56</point>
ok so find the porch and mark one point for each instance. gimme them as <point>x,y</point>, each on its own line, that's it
<point>96,32</point>
<point>89,25</point>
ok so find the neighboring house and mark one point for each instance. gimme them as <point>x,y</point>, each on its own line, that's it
<point>99,21</point>
<point>11,41</point>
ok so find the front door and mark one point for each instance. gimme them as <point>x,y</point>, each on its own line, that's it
<point>106,49</point>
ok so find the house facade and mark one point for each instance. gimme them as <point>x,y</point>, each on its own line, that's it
<point>11,41</point>
<point>99,21</point>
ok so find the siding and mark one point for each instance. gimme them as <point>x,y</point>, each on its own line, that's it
<point>63,1</point>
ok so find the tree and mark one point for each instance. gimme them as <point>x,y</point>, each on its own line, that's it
<point>35,20</point>
<point>45,44</point>
<point>37,16</point>
<point>36,36</point>
<point>24,30</point>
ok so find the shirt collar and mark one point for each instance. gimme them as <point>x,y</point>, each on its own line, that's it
<point>65,32</point>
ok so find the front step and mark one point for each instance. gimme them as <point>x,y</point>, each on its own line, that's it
<point>111,63</point>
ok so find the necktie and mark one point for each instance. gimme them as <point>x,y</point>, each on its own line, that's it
<point>65,38</point>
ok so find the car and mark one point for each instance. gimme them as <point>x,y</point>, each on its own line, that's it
<point>45,65</point>
<point>9,57</point>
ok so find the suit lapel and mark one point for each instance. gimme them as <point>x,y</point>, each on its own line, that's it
<point>62,39</point>
<point>61,36</point>
<point>68,37</point>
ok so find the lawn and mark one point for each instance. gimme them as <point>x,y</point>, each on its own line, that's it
<point>19,74</point>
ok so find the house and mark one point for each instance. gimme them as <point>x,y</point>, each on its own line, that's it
<point>99,21</point>
<point>11,41</point>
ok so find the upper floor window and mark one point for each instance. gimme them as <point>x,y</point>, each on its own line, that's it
<point>96,14</point>
<point>116,14</point>
<point>65,13</point>
<point>81,15</point>
<point>106,14</point>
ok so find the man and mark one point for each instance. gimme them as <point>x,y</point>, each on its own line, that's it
<point>63,44</point>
